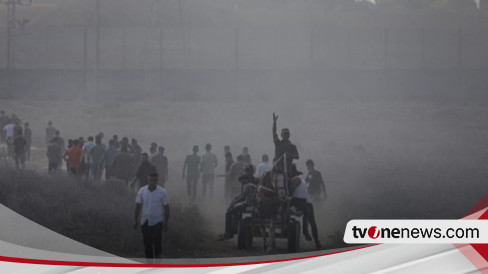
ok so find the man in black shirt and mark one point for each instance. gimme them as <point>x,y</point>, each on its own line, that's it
<point>145,169</point>
<point>19,144</point>
<point>316,185</point>
<point>282,147</point>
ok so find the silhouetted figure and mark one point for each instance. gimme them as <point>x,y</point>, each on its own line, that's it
<point>282,147</point>
<point>50,132</point>
<point>54,157</point>
<point>207,167</point>
<point>19,144</point>
<point>161,162</point>
<point>96,155</point>
<point>108,159</point>
<point>192,167</point>
<point>145,168</point>
<point>246,156</point>
<point>236,171</point>
<point>316,185</point>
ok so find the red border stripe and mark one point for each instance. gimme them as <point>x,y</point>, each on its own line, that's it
<point>95,264</point>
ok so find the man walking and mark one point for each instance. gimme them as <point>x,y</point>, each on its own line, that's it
<point>301,200</point>
<point>19,145</point>
<point>73,158</point>
<point>96,154</point>
<point>122,166</point>
<point>192,167</point>
<point>152,212</point>
<point>60,141</point>
<point>161,162</point>
<point>144,170</point>
<point>108,158</point>
<point>87,159</point>
<point>54,157</point>
<point>209,163</point>
<point>229,160</point>
<point>316,185</point>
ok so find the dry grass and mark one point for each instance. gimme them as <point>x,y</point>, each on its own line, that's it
<point>100,216</point>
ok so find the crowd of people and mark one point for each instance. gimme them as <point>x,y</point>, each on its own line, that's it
<point>91,158</point>
<point>17,138</point>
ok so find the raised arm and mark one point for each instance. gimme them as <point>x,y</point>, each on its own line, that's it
<point>275,133</point>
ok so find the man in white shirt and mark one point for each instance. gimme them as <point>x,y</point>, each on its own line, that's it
<point>263,167</point>
<point>152,211</point>
<point>207,167</point>
<point>301,200</point>
<point>9,130</point>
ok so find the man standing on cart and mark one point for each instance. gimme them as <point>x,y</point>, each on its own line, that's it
<point>283,148</point>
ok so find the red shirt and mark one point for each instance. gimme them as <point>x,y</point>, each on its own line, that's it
<point>74,157</point>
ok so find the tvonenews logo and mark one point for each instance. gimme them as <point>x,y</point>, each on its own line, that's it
<point>416,231</point>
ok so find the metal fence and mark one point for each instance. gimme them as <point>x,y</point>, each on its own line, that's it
<point>248,48</point>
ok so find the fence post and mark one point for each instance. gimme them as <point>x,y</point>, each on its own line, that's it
<point>349,48</point>
<point>47,48</point>
<point>386,48</point>
<point>124,38</point>
<point>85,58</point>
<point>460,47</point>
<point>460,59</point>
<point>97,47</point>
<point>161,55</point>
<point>311,47</point>
<point>423,47</point>
<point>236,50</point>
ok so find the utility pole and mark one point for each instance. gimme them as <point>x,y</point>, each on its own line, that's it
<point>12,23</point>
<point>97,49</point>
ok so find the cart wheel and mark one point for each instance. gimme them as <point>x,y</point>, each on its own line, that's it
<point>293,236</point>
<point>244,235</point>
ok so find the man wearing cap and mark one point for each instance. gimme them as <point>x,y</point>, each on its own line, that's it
<point>152,213</point>
<point>283,147</point>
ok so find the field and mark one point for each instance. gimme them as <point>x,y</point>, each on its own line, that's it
<point>379,158</point>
